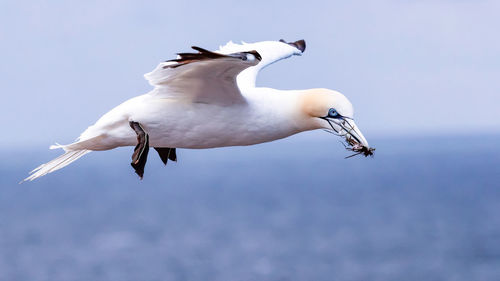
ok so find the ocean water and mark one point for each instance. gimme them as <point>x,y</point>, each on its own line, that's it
<point>295,209</point>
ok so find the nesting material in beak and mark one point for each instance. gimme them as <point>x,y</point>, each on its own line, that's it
<point>354,139</point>
<point>355,146</point>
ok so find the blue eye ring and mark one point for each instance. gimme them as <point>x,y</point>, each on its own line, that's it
<point>333,113</point>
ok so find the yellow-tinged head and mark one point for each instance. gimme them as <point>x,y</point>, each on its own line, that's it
<point>332,111</point>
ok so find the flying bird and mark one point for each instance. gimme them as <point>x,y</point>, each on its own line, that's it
<point>207,99</point>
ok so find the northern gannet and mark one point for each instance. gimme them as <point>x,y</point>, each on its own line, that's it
<point>209,99</point>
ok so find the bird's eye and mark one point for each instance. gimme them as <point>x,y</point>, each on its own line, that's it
<point>333,113</point>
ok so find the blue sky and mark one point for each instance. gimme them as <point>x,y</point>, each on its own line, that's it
<point>409,67</point>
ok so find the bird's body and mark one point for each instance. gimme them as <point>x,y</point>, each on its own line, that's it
<point>209,99</point>
<point>182,124</point>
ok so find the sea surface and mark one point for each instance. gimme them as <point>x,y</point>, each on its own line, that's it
<point>424,208</point>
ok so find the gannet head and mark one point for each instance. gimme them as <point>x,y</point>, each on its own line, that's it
<point>332,111</point>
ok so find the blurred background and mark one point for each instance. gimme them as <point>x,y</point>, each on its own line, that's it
<point>423,79</point>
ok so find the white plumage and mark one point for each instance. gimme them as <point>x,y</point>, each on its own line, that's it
<point>209,99</point>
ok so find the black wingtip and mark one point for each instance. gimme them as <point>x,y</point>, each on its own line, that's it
<point>199,49</point>
<point>299,44</point>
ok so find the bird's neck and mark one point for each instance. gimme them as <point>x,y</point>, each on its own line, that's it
<point>281,107</point>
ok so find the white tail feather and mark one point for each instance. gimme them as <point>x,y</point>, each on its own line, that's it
<point>60,162</point>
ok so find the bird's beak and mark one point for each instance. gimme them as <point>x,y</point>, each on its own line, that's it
<point>348,129</point>
<point>356,133</point>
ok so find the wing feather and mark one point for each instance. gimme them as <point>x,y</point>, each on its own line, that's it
<point>218,77</point>
<point>204,77</point>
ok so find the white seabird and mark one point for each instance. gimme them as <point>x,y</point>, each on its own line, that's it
<point>209,99</point>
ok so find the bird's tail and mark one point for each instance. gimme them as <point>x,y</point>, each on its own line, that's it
<point>62,161</point>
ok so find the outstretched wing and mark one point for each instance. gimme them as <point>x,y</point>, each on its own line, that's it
<point>219,77</point>
<point>203,77</point>
<point>270,51</point>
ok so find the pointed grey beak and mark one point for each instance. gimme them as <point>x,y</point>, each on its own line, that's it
<point>356,133</point>
<point>355,138</point>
